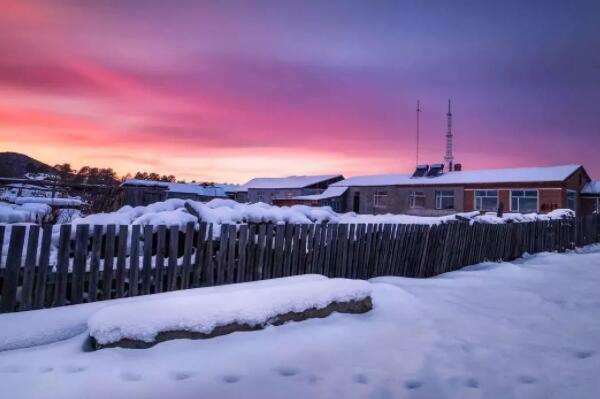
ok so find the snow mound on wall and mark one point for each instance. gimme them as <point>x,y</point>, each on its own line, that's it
<point>143,321</point>
<point>26,213</point>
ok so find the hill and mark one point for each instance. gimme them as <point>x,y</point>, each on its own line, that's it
<point>13,164</point>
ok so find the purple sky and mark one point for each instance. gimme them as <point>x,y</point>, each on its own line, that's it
<point>230,90</point>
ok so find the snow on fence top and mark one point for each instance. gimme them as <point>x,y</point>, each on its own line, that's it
<point>173,212</point>
<point>510,175</point>
<point>285,182</point>
<point>143,321</point>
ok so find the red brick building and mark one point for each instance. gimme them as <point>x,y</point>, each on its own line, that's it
<point>431,191</point>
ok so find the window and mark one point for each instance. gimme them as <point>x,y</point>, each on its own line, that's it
<point>524,201</point>
<point>444,199</point>
<point>260,197</point>
<point>416,199</point>
<point>379,198</point>
<point>572,199</point>
<point>486,200</point>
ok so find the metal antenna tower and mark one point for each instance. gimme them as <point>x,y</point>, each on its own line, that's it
<point>418,126</point>
<point>449,158</point>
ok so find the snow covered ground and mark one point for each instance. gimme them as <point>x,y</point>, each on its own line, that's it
<point>526,329</point>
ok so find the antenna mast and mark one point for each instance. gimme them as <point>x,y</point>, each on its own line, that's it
<point>449,158</point>
<point>418,117</point>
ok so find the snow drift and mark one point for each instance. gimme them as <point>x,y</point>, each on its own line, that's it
<point>143,324</point>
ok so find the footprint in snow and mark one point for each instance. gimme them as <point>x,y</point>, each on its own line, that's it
<point>287,371</point>
<point>72,369</point>
<point>360,379</point>
<point>584,354</point>
<point>46,369</point>
<point>413,384</point>
<point>231,378</point>
<point>181,375</point>
<point>472,383</point>
<point>128,376</point>
<point>11,369</point>
<point>526,379</point>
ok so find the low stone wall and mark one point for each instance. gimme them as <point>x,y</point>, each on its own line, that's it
<point>360,306</point>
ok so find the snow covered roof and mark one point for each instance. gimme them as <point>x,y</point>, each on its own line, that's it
<point>217,190</point>
<point>285,182</point>
<point>509,175</point>
<point>331,192</point>
<point>592,187</point>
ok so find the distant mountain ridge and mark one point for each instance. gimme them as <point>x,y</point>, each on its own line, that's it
<point>13,164</point>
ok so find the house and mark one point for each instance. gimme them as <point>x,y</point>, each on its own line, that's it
<point>430,191</point>
<point>590,198</point>
<point>272,189</point>
<point>145,192</point>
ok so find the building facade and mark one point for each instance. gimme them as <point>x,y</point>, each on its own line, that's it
<point>523,190</point>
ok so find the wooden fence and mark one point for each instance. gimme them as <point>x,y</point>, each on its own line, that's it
<point>120,261</point>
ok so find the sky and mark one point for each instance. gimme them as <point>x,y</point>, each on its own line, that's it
<point>230,90</point>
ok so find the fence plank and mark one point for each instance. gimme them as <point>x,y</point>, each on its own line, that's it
<point>242,251</point>
<point>187,255</point>
<point>95,263</point>
<point>147,260</point>
<point>107,270</point>
<point>356,256</point>
<point>231,247</point>
<point>13,267</point>
<point>269,251</point>
<point>279,248</point>
<point>260,255</point>
<point>303,242</point>
<point>134,260</point>
<point>121,261</point>
<point>172,262</point>
<point>79,263</point>
<point>62,265</point>
<point>42,271</point>
<point>287,251</point>
<point>159,260</point>
<point>209,260</point>
<point>329,250</point>
<point>320,237</point>
<point>2,232</point>
<point>29,268</point>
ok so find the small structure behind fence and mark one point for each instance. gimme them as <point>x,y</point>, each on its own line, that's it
<point>121,261</point>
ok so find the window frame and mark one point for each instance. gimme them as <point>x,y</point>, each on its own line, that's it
<point>480,207</point>
<point>537,198</point>
<point>412,199</point>
<point>440,195</point>
<point>378,197</point>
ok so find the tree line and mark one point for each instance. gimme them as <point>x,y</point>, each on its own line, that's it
<point>105,176</point>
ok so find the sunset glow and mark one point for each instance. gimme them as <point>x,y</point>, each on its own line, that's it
<point>227,91</point>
